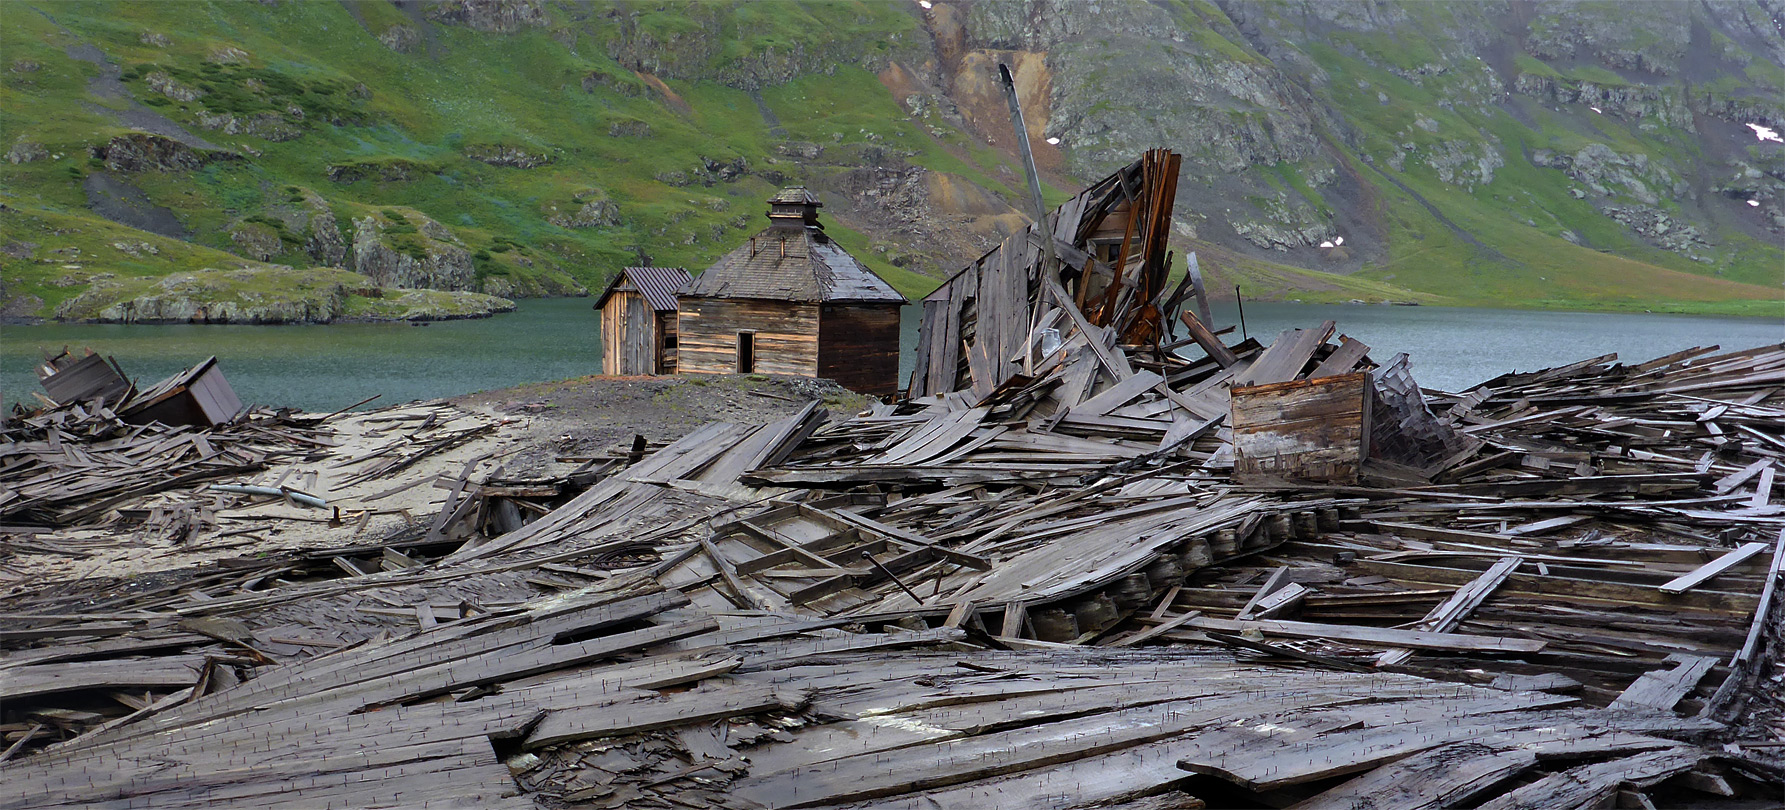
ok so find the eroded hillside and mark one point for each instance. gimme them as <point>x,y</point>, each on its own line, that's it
<point>311,160</point>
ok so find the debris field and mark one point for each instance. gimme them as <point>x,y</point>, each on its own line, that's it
<point>1085,563</point>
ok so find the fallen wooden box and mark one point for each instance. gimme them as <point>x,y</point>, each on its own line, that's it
<point>1302,430</point>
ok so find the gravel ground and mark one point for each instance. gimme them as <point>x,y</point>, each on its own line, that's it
<point>595,415</point>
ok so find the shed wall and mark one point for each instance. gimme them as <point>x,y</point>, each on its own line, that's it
<point>858,346</point>
<point>628,335</point>
<point>786,335</point>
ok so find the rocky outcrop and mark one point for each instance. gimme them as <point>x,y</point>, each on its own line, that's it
<point>270,126</point>
<point>250,294</point>
<point>1664,106</point>
<point>256,240</point>
<point>1284,225</point>
<point>161,82</point>
<point>1662,229</point>
<point>1647,37</point>
<point>147,152</point>
<point>400,38</point>
<point>1608,173</point>
<point>267,294</point>
<point>391,257</point>
<point>513,157</point>
<point>593,210</point>
<point>323,242</point>
<point>629,128</point>
<point>24,151</point>
<point>389,170</point>
<point>496,16</point>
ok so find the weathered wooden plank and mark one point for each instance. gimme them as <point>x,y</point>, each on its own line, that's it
<point>1383,636</point>
<point>1451,612</point>
<point>1662,688</point>
<point>1686,582</point>
<point>679,709</point>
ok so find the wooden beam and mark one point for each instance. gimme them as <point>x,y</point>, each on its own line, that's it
<point>1686,582</point>
<point>1373,636</point>
<point>1451,612</point>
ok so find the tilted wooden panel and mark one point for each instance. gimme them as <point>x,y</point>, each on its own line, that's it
<point>786,335</point>
<point>858,346</point>
<point>1302,430</point>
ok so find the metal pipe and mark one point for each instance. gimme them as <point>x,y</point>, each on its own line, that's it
<point>304,498</point>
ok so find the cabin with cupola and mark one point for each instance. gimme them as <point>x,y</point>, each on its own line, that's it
<point>791,301</point>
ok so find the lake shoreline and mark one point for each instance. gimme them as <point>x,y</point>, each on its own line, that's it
<point>557,339</point>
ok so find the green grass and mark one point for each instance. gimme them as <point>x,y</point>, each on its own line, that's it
<point>397,128</point>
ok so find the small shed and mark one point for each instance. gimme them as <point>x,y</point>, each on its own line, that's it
<point>198,396</point>
<point>791,301</point>
<point>638,320</point>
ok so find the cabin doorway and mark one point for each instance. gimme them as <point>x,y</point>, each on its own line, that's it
<point>746,352</point>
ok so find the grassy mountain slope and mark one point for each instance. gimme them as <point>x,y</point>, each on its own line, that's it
<point>524,147</point>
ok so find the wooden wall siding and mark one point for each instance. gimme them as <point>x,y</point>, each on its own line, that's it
<point>628,335</point>
<point>1302,430</point>
<point>975,324</point>
<point>858,346</point>
<point>786,335</point>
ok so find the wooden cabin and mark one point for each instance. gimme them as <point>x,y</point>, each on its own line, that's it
<point>638,320</point>
<point>791,301</point>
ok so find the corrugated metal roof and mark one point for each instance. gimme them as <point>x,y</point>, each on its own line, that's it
<point>792,264</point>
<point>657,284</point>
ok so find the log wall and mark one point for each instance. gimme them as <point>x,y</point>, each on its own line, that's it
<point>786,335</point>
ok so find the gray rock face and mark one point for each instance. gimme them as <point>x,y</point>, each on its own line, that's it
<point>166,85</point>
<point>271,126</point>
<point>400,38</point>
<point>596,213</point>
<point>1648,37</point>
<point>510,156</point>
<point>24,151</point>
<point>435,265</point>
<point>255,240</point>
<point>497,16</point>
<point>323,242</point>
<point>1662,229</point>
<point>1284,225</point>
<point>146,152</point>
<point>1608,173</point>
<point>1664,106</point>
<point>629,128</point>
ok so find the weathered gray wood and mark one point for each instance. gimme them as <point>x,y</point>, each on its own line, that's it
<point>1588,784</point>
<point>1382,636</point>
<point>1662,688</point>
<point>649,715</point>
<point>1686,582</point>
<point>1451,612</point>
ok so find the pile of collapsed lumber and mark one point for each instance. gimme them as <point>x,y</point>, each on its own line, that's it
<point>1076,569</point>
<point>68,465</point>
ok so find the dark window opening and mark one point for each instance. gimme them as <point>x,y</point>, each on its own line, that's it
<point>746,352</point>
<point>669,341</point>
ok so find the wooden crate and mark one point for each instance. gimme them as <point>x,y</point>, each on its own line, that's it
<point>1304,430</point>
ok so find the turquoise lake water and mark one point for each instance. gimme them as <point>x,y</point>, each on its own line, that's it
<point>323,368</point>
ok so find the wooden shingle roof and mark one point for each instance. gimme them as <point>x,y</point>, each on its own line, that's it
<point>792,262</point>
